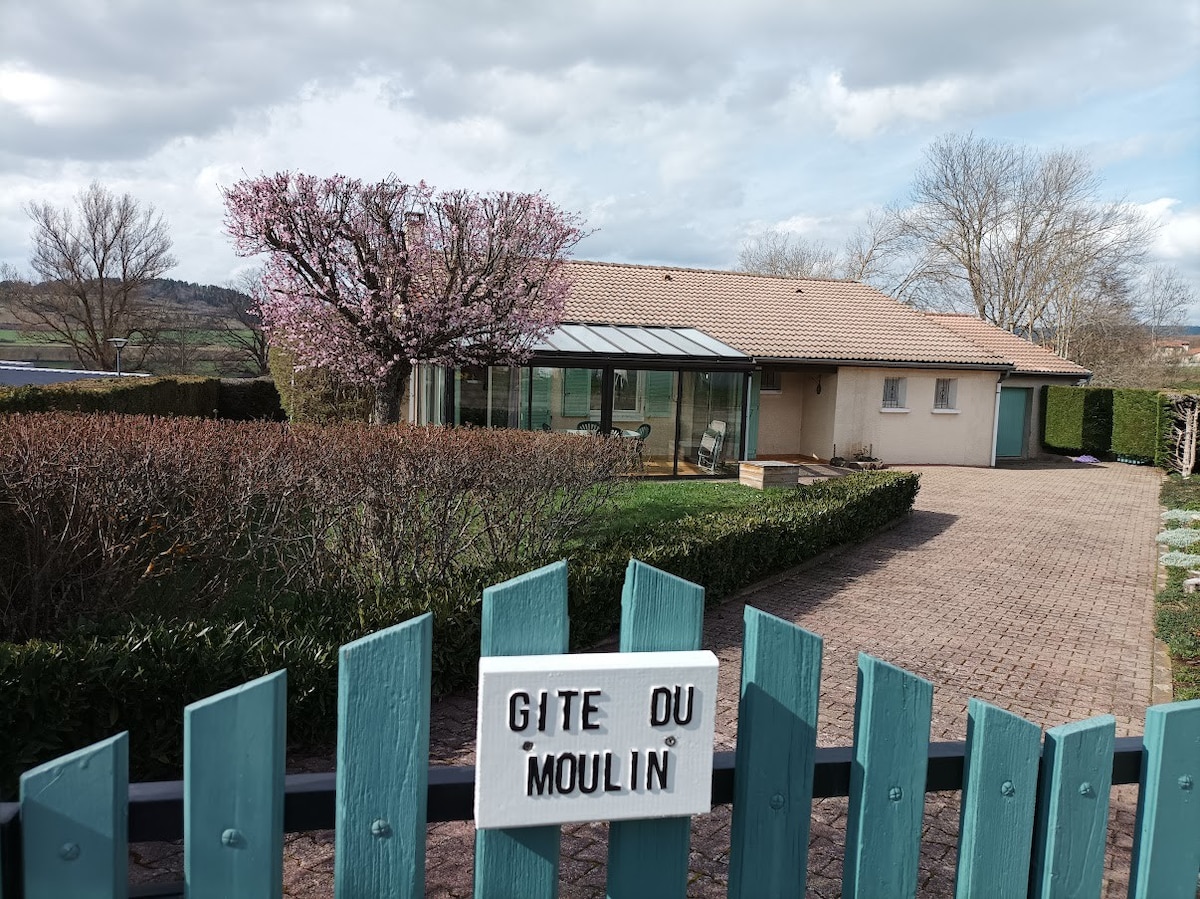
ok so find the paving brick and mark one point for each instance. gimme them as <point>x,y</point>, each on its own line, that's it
<point>1030,586</point>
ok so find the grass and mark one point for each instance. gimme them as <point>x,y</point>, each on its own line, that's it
<point>1177,614</point>
<point>647,503</point>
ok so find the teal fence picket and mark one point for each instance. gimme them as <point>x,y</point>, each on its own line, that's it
<point>74,813</point>
<point>659,613</point>
<point>1032,823</point>
<point>1166,849</point>
<point>233,778</point>
<point>892,714</point>
<point>1068,849</point>
<point>524,616</point>
<point>382,762</point>
<point>999,794</point>
<point>776,748</point>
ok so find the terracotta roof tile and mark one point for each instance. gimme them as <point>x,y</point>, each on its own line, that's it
<point>770,317</point>
<point>1029,358</point>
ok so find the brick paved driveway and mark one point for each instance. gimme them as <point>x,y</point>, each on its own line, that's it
<point>1029,586</point>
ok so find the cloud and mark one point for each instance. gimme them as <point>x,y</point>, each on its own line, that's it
<point>672,125</point>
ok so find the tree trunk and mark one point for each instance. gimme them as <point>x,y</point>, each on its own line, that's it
<point>388,394</point>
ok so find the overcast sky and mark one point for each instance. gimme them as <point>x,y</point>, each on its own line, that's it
<point>676,127</point>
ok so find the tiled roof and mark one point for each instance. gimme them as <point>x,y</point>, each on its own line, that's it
<point>769,317</point>
<point>1029,358</point>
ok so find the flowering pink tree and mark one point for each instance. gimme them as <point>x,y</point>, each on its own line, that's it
<point>368,279</point>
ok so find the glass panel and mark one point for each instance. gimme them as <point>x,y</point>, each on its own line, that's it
<point>710,422</point>
<point>503,396</point>
<point>625,394</point>
<point>576,392</point>
<point>535,401</point>
<point>432,395</point>
<point>654,394</point>
<point>470,396</point>
<point>561,397</point>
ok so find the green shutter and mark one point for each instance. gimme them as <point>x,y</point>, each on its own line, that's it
<point>540,414</point>
<point>577,391</point>
<point>660,394</point>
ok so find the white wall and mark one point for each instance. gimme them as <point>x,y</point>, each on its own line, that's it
<point>780,416</point>
<point>917,434</point>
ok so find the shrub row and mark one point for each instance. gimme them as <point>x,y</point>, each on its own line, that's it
<point>95,509</point>
<point>60,695</point>
<point>1177,612</point>
<point>1103,421</point>
<point>236,399</point>
<point>727,551</point>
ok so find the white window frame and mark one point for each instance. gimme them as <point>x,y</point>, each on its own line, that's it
<point>945,395</point>
<point>895,393</point>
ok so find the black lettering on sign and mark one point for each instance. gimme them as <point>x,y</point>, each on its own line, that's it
<point>667,705</point>
<point>660,706</point>
<point>657,764</point>
<point>539,779</point>
<point>610,784</point>
<point>566,696</point>
<point>518,711</point>
<point>590,708</point>
<point>569,773</point>
<point>566,770</point>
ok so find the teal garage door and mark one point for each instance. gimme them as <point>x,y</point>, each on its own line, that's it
<point>1010,432</point>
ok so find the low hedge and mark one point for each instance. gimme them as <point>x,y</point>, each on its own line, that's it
<point>185,395</point>
<point>58,696</point>
<point>236,399</point>
<point>249,399</point>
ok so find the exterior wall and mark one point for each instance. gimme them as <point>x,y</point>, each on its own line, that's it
<point>820,410</point>
<point>916,434</point>
<point>780,416</point>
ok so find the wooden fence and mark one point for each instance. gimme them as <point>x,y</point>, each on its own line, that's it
<point>1033,822</point>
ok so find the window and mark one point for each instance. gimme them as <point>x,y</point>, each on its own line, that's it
<point>945,393</point>
<point>771,380</point>
<point>893,392</point>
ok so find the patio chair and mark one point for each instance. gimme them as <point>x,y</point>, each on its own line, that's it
<point>643,431</point>
<point>593,426</point>
<point>615,432</point>
<point>708,457</point>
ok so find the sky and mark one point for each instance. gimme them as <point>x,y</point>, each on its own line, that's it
<point>677,128</point>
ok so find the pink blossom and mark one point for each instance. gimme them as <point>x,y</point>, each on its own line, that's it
<point>367,279</point>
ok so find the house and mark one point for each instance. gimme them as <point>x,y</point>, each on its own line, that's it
<point>721,366</point>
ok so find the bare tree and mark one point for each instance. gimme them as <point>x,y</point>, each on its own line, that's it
<point>241,327</point>
<point>1021,238</point>
<point>1163,299</point>
<point>783,253</point>
<point>95,258</point>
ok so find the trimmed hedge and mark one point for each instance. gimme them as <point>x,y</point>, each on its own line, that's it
<point>1078,420</point>
<point>185,395</point>
<point>56,697</point>
<point>727,551</point>
<point>236,399</point>
<point>315,395</point>
<point>249,399</point>
<point>1140,425</point>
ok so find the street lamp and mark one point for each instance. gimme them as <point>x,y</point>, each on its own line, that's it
<point>119,344</point>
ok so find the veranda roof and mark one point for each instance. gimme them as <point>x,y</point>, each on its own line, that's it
<point>637,345</point>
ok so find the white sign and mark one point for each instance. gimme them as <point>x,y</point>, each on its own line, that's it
<point>594,737</point>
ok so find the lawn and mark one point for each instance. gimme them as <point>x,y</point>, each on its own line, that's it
<point>647,503</point>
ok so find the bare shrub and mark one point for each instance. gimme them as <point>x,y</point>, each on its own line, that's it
<point>95,508</point>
